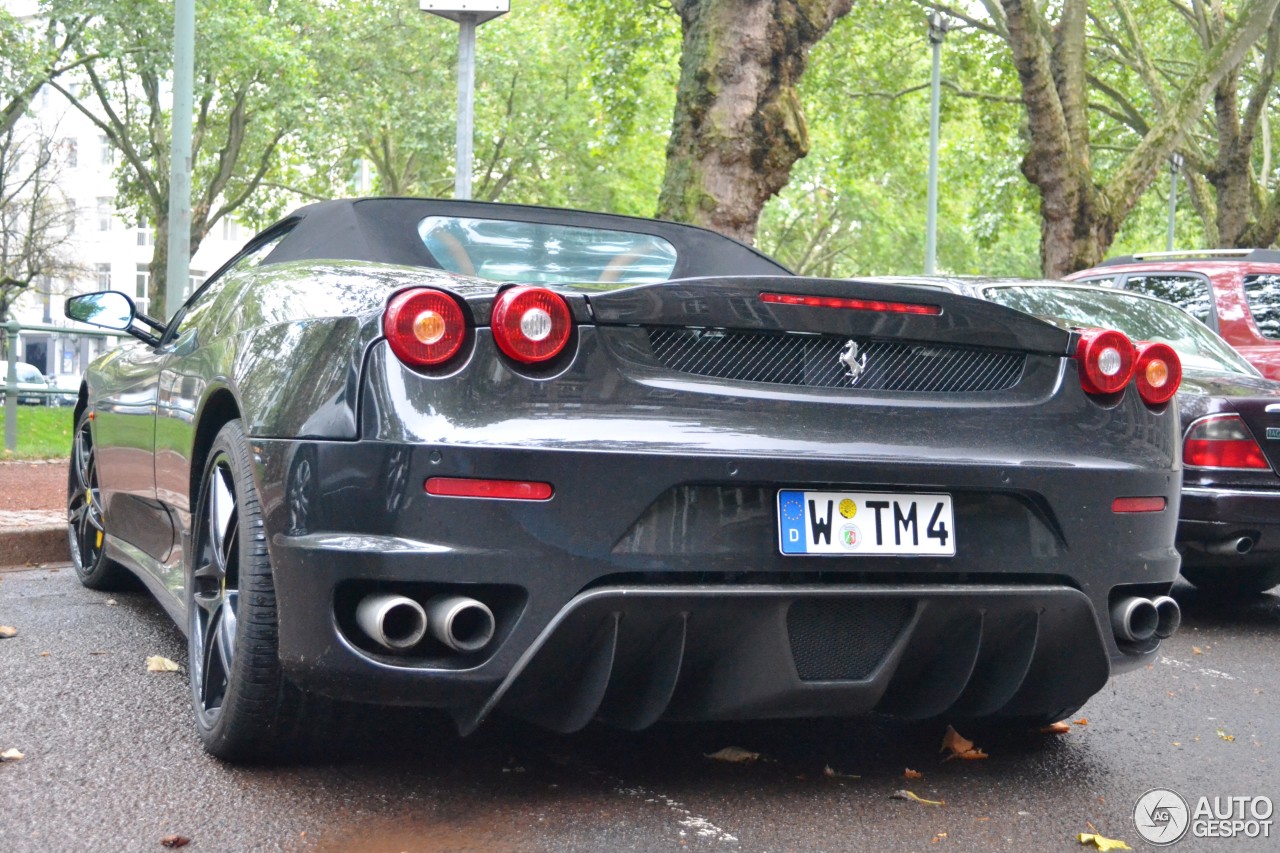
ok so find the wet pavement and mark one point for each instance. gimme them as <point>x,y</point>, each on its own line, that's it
<point>112,762</point>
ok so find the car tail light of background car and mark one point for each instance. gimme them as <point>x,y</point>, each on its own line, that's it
<point>1222,441</point>
<point>531,324</point>
<point>424,327</point>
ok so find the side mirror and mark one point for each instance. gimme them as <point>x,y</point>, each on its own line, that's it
<point>109,309</point>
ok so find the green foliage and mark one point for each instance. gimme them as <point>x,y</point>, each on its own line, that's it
<point>253,75</point>
<point>564,115</point>
<point>857,203</point>
<point>574,103</point>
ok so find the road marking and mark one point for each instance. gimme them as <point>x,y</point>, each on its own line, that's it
<point>699,825</point>
<point>1211,673</point>
<point>702,827</point>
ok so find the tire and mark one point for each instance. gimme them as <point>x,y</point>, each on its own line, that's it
<point>1232,582</point>
<point>86,518</point>
<point>245,710</point>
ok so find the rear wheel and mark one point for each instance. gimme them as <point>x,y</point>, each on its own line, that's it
<point>1232,582</point>
<point>86,519</point>
<point>244,707</point>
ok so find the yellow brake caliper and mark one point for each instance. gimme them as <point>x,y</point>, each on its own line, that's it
<point>88,499</point>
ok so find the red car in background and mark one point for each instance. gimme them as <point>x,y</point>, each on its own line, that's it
<point>1235,292</point>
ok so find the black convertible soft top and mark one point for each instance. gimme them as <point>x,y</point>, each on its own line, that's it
<point>385,230</point>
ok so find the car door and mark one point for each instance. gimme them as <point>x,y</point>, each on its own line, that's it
<point>124,424</point>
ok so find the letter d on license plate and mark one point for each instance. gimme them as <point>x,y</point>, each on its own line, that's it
<point>865,523</point>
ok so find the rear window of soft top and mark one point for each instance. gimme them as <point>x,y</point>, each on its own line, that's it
<point>541,253</point>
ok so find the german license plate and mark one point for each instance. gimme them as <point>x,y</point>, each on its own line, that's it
<point>865,523</point>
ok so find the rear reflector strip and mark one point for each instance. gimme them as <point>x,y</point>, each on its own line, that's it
<point>852,304</point>
<point>511,490</point>
<point>1145,504</point>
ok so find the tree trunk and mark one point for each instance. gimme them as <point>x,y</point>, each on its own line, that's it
<point>1078,217</point>
<point>738,126</point>
<point>159,272</point>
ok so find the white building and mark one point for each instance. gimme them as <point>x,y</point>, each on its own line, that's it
<point>109,252</point>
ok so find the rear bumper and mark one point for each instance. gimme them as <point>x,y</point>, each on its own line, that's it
<point>682,551</point>
<point>1212,515</point>
<point>632,656</point>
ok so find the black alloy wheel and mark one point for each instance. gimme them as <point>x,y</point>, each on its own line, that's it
<point>215,591</point>
<point>86,518</point>
<point>245,710</point>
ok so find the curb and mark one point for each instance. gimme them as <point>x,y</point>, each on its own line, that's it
<point>30,538</point>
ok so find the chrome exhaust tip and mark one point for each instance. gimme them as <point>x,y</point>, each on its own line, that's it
<point>1168,616</point>
<point>1134,619</point>
<point>461,623</point>
<point>393,621</point>
<point>1237,547</point>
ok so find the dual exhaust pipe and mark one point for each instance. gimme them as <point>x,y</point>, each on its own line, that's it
<point>397,622</point>
<point>1137,620</point>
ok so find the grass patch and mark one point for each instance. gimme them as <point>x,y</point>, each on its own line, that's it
<point>43,433</point>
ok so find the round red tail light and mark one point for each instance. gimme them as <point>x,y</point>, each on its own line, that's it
<point>1159,373</point>
<point>1106,361</point>
<point>424,327</point>
<point>531,324</point>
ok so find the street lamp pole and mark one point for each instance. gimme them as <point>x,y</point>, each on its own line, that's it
<point>939,24</point>
<point>468,14</point>
<point>1175,166</point>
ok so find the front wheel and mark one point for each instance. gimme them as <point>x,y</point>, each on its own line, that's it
<point>86,518</point>
<point>244,708</point>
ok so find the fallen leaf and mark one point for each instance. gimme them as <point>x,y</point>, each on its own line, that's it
<point>959,746</point>
<point>1228,738</point>
<point>1101,842</point>
<point>156,663</point>
<point>912,774</point>
<point>175,841</point>
<point>907,795</point>
<point>11,755</point>
<point>45,654</point>
<point>1177,743</point>
<point>7,631</point>
<point>831,774</point>
<point>1059,728</point>
<point>1083,721</point>
<point>734,755</point>
<point>1195,650</point>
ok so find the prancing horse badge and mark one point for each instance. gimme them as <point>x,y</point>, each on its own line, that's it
<point>856,364</point>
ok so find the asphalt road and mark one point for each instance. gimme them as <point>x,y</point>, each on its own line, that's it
<point>112,763</point>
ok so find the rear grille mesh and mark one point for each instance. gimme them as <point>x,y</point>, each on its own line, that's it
<point>842,639</point>
<point>814,361</point>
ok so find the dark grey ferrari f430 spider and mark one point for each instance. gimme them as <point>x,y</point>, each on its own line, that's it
<point>576,467</point>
